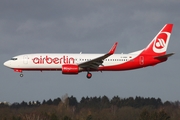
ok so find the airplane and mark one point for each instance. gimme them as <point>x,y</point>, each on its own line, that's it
<point>72,64</point>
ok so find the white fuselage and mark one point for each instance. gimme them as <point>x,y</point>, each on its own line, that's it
<point>55,61</point>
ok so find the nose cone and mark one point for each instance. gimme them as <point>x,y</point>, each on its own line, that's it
<point>7,63</point>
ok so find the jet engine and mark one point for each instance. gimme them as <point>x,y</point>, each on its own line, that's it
<point>70,69</point>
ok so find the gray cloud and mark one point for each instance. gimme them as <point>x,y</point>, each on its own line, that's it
<point>91,27</point>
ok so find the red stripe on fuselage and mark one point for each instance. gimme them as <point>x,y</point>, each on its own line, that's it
<point>138,62</point>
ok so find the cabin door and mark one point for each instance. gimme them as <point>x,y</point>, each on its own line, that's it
<point>25,59</point>
<point>141,60</point>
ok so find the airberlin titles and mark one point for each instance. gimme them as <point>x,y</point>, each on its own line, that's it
<point>53,60</point>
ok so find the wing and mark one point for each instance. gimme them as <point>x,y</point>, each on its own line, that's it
<point>95,63</point>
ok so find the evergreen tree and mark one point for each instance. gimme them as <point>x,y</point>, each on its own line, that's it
<point>49,102</point>
<point>72,101</point>
<point>56,101</point>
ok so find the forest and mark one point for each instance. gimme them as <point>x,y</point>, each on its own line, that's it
<point>92,108</point>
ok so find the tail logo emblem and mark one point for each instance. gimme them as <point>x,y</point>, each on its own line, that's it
<point>161,42</point>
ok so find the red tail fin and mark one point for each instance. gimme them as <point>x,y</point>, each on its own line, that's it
<point>159,44</point>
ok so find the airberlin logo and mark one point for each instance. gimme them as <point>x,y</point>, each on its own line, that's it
<point>161,42</point>
<point>54,60</point>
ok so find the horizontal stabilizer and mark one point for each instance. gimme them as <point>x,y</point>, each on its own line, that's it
<point>164,56</point>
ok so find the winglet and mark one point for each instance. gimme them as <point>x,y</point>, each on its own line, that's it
<point>112,50</point>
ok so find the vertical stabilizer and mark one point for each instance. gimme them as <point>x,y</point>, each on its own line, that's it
<point>159,44</point>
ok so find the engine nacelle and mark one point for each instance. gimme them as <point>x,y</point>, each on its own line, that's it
<point>70,69</point>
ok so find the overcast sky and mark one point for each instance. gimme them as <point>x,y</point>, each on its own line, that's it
<point>88,26</point>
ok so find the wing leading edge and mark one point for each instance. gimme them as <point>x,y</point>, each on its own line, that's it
<point>95,63</point>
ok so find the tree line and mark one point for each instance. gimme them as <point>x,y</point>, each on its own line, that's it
<point>92,108</point>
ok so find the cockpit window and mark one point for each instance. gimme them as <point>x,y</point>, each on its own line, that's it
<point>13,58</point>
